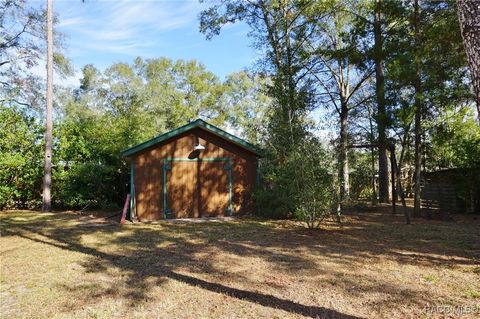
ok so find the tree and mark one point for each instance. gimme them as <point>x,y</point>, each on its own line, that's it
<point>371,29</point>
<point>379,58</point>
<point>314,170</point>
<point>456,140</point>
<point>20,158</point>
<point>247,104</point>
<point>417,84</point>
<point>335,54</point>
<point>22,48</point>
<point>24,35</point>
<point>47,179</point>
<point>435,69</point>
<point>199,93</point>
<point>469,16</point>
<point>21,28</point>
<point>281,29</point>
<point>417,59</point>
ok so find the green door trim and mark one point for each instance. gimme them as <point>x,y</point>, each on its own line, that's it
<point>167,166</point>
<point>132,189</point>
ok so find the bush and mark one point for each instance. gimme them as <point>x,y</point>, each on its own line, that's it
<point>21,159</point>
<point>313,211</point>
<point>301,186</point>
<point>316,196</point>
<point>361,174</point>
<point>88,185</point>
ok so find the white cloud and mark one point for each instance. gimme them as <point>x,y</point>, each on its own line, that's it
<point>120,26</point>
<point>160,15</point>
<point>131,48</point>
<point>109,35</point>
<point>71,22</point>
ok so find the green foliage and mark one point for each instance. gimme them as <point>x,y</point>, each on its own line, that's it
<point>110,111</point>
<point>22,48</point>
<point>89,170</point>
<point>280,29</point>
<point>316,194</point>
<point>20,159</point>
<point>361,173</point>
<point>88,185</point>
<point>248,105</point>
<point>315,54</point>
<point>301,186</point>
<point>455,140</point>
<point>123,106</point>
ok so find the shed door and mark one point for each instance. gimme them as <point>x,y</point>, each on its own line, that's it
<point>181,189</point>
<point>214,190</point>
<point>197,188</point>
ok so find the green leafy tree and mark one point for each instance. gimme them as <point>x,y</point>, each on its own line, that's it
<point>20,159</point>
<point>22,46</point>
<point>340,76</point>
<point>315,191</point>
<point>280,29</point>
<point>455,139</point>
<point>125,105</point>
<point>428,74</point>
<point>248,105</point>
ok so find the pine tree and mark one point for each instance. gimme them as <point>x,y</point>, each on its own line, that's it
<point>47,178</point>
<point>469,15</point>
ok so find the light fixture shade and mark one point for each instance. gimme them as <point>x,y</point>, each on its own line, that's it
<point>199,147</point>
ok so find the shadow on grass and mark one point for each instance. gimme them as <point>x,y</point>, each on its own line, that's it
<point>145,264</point>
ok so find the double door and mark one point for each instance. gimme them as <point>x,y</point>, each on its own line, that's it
<point>197,188</point>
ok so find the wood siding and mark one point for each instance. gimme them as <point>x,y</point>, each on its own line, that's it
<point>452,190</point>
<point>194,188</point>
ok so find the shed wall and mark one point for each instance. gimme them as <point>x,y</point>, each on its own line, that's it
<point>148,177</point>
<point>452,190</point>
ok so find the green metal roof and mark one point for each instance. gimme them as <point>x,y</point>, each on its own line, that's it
<point>182,129</point>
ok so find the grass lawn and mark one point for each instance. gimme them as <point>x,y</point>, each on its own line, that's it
<point>62,265</point>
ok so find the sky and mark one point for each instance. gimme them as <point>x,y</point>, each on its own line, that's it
<point>103,32</point>
<point>106,32</point>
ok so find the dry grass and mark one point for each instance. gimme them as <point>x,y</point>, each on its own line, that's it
<point>62,266</point>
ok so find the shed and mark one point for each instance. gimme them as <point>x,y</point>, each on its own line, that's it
<point>196,170</point>
<point>453,190</point>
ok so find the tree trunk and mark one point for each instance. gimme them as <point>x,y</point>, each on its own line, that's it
<point>372,150</point>
<point>469,16</point>
<point>47,178</point>
<point>418,114</point>
<point>400,191</point>
<point>381,108</point>
<point>343,156</point>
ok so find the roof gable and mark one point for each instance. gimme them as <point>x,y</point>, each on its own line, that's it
<point>185,128</point>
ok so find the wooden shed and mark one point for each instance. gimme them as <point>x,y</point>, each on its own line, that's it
<point>196,170</point>
<point>453,190</point>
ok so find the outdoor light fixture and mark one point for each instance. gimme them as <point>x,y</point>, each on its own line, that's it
<point>199,147</point>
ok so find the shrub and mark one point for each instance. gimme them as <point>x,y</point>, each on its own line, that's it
<point>21,159</point>
<point>300,186</point>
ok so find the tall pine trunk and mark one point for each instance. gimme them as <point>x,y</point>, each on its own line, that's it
<point>372,153</point>
<point>381,108</point>
<point>343,155</point>
<point>418,113</point>
<point>47,178</point>
<point>469,16</point>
